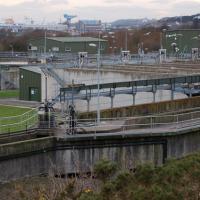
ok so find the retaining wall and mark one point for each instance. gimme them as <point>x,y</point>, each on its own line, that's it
<point>80,153</point>
<point>145,109</point>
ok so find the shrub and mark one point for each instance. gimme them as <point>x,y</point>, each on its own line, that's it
<point>104,170</point>
<point>90,196</point>
<point>145,174</point>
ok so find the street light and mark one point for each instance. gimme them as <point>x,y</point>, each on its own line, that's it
<point>127,34</point>
<point>98,80</point>
<point>12,48</point>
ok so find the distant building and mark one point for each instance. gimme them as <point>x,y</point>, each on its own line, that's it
<point>67,44</point>
<point>181,41</point>
<point>9,21</point>
<point>89,26</point>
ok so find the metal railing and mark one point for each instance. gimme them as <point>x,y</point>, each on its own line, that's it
<point>151,123</point>
<point>19,123</point>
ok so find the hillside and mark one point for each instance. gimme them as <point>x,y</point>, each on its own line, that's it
<point>173,22</point>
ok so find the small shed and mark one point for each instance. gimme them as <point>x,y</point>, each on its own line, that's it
<point>30,84</point>
<point>35,85</point>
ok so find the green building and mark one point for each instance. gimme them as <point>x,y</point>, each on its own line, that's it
<point>181,40</point>
<point>35,84</point>
<point>30,84</point>
<point>67,44</point>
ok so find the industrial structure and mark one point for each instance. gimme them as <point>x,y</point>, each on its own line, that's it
<point>69,18</point>
<point>67,44</point>
<point>89,26</point>
<point>181,41</point>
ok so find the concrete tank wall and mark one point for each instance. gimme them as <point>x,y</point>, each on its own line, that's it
<point>26,166</point>
<point>182,145</point>
<point>79,154</point>
<point>145,109</point>
<point>127,157</point>
<point>9,79</point>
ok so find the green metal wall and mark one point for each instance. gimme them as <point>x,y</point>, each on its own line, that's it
<point>74,46</point>
<point>29,81</point>
<point>185,40</point>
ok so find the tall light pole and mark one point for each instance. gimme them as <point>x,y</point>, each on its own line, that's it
<point>98,86</point>
<point>98,79</point>
<point>126,41</point>
<point>12,48</point>
<point>45,43</point>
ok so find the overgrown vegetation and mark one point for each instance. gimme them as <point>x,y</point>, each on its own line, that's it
<point>177,179</point>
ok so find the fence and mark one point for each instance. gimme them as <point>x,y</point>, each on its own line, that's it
<point>164,122</point>
<point>19,123</point>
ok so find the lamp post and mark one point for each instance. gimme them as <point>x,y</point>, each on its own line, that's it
<point>126,41</point>
<point>98,81</point>
<point>12,48</point>
<point>128,33</point>
<point>45,43</point>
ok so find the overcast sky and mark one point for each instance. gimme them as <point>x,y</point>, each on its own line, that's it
<point>106,10</point>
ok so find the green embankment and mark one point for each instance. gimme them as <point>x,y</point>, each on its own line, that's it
<point>14,118</point>
<point>4,94</point>
<point>9,111</point>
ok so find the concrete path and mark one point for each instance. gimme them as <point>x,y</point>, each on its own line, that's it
<point>154,131</point>
<point>15,102</point>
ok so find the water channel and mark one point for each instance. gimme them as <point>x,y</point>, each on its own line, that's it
<point>90,77</point>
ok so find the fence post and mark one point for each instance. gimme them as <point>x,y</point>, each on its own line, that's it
<point>151,122</point>
<point>177,121</point>
<point>95,130</point>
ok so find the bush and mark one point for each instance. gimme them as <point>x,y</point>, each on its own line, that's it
<point>108,191</point>
<point>123,179</point>
<point>90,196</point>
<point>145,174</point>
<point>104,170</point>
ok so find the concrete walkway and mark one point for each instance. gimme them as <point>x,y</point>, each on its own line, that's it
<point>150,131</point>
<point>16,102</point>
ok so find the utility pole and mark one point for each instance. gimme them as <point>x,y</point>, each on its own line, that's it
<point>45,43</point>
<point>98,82</point>
<point>126,41</point>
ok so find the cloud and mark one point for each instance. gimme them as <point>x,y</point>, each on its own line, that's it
<point>107,10</point>
<point>13,3</point>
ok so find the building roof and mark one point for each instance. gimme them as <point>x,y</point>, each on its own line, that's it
<point>91,22</point>
<point>34,69</point>
<point>76,39</point>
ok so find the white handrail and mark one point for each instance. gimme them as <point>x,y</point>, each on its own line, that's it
<point>17,116</point>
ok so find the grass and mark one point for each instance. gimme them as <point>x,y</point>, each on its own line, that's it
<point>4,94</point>
<point>9,111</point>
<point>14,118</point>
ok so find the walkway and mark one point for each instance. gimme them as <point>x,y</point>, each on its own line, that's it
<point>16,102</point>
<point>144,125</point>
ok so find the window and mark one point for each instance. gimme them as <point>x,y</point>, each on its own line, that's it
<point>67,49</point>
